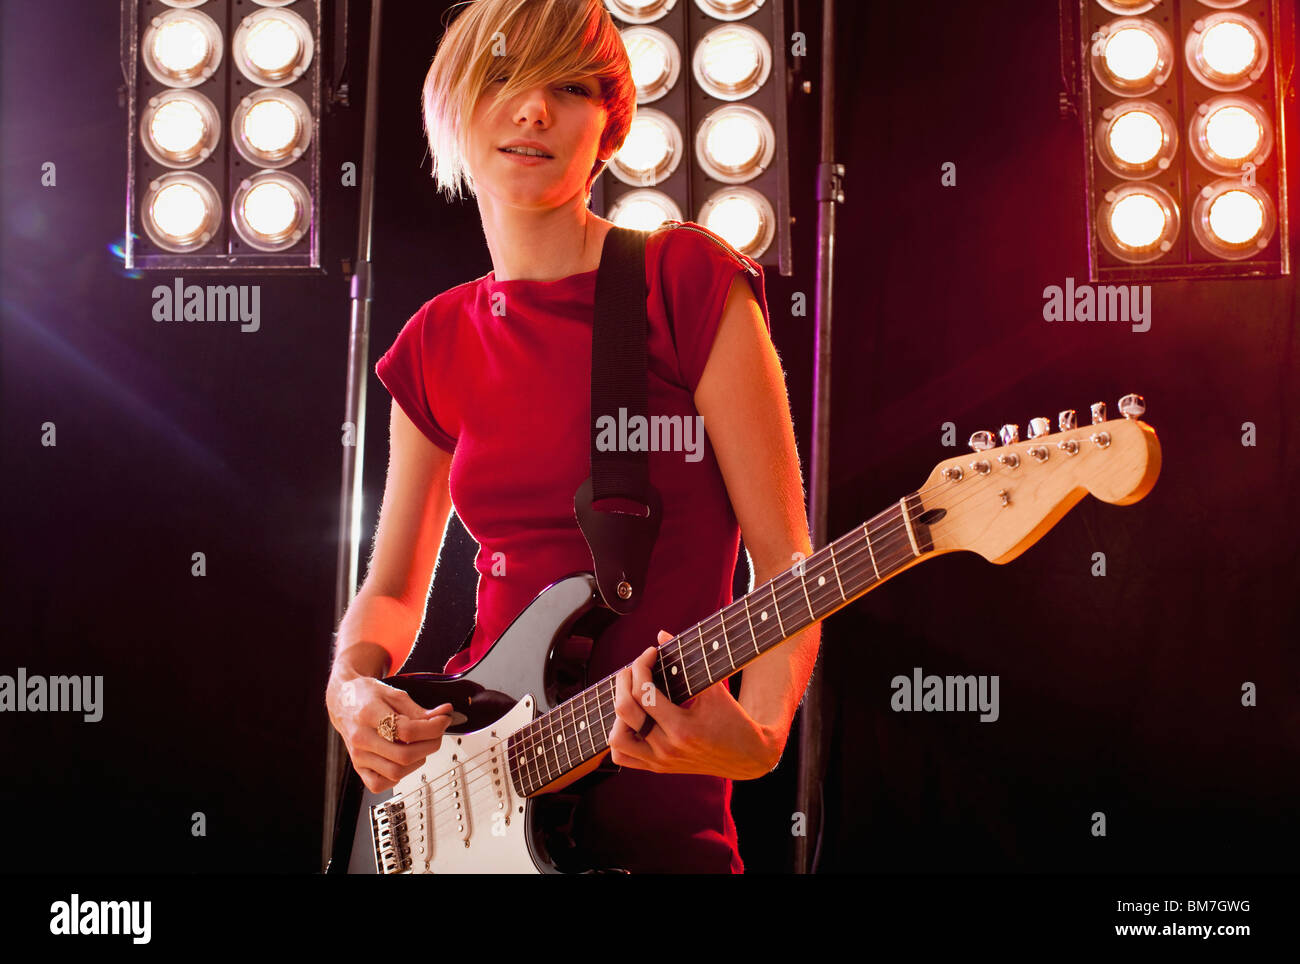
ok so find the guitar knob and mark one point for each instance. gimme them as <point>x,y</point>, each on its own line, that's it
<point>981,441</point>
<point>1067,420</point>
<point>1009,434</point>
<point>1098,412</point>
<point>1039,426</point>
<point>1132,406</point>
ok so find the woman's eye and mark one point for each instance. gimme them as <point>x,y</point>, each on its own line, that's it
<point>579,88</point>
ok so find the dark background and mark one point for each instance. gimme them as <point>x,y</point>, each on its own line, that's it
<point>1118,694</point>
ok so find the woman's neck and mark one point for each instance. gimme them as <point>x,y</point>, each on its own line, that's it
<point>542,245</point>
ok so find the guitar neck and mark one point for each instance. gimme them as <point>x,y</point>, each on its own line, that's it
<point>724,643</point>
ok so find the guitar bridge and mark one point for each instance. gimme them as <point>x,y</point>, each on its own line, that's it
<point>392,841</point>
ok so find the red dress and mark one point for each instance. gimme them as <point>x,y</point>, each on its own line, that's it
<point>499,374</point>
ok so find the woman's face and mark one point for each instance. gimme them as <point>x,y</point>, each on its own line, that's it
<point>565,117</point>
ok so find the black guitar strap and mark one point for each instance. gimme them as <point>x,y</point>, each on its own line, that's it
<point>622,534</point>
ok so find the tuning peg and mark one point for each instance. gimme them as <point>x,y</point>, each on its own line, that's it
<point>1132,406</point>
<point>1066,420</point>
<point>981,441</point>
<point>1009,434</point>
<point>1098,412</point>
<point>1039,426</point>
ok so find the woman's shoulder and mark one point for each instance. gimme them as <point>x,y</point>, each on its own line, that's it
<point>689,246</point>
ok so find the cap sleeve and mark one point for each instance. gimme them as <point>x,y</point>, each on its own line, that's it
<point>404,371</point>
<point>695,271</point>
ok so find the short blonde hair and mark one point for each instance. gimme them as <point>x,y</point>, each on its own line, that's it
<point>552,39</point>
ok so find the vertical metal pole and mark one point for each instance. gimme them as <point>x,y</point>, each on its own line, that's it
<point>812,736</point>
<point>349,542</point>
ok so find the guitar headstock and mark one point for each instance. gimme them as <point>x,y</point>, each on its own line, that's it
<point>999,501</point>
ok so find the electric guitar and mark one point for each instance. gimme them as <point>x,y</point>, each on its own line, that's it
<point>527,723</point>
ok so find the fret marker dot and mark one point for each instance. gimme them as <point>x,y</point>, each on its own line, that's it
<point>763,614</point>
<point>821,580</point>
<point>715,644</point>
<point>557,738</point>
<point>582,725</point>
<point>674,670</point>
<point>539,751</point>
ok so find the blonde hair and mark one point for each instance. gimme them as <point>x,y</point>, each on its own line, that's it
<point>550,39</point>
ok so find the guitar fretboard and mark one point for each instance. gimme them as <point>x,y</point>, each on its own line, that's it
<point>722,644</point>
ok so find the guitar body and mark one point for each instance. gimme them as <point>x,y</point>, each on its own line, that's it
<point>458,816</point>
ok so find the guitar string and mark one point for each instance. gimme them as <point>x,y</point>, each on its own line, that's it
<point>792,589</point>
<point>854,562</point>
<point>443,818</point>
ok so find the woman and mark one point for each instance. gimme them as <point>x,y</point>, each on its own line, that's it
<point>491,381</point>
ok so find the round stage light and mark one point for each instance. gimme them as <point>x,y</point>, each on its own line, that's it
<point>183,4</point>
<point>272,47</point>
<point>1228,132</point>
<point>728,9</point>
<point>651,152</point>
<point>1232,220</point>
<point>272,127</point>
<point>733,61</point>
<point>644,210</point>
<point>639,11</point>
<point>179,128</point>
<point>271,210</point>
<point>1227,51</point>
<point>1127,7</point>
<point>1132,56</point>
<point>181,48</point>
<point>735,143</point>
<point>1136,138</point>
<point>180,211</point>
<point>656,62</point>
<point>743,217</point>
<point>1138,222</point>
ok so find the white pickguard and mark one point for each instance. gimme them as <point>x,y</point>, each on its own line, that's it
<point>473,822</point>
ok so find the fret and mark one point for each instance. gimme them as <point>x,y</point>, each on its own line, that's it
<point>586,719</point>
<point>866,534</point>
<point>749,621</point>
<point>777,608</point>
<point>836,570</point>
<point>911,536</point>
<point>681,665</point>
<point>704,653</point>
<point>722,616</point>
<point>803,582</point>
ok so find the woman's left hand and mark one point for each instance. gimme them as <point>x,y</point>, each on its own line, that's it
<point>710,733</point>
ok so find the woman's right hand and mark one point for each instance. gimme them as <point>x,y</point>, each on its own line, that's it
<point>357,705</point>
